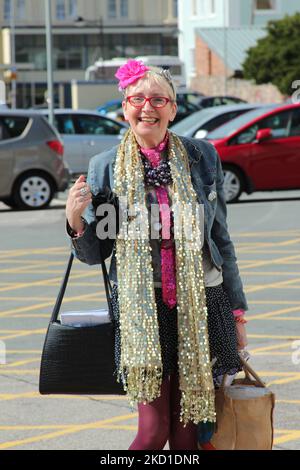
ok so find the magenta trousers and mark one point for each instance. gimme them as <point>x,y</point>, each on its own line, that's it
<point>159,421</point>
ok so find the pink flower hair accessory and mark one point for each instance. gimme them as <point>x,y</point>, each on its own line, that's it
<point>130,73</point>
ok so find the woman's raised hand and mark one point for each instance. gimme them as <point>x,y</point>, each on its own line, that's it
<point>78,199</point>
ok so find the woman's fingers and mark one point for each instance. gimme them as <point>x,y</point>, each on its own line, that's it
<point>78,199</point>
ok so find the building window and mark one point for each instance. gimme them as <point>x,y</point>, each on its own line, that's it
<point>112,9</point>
<point>21,9</point>
<point>194,8</point>
<point>212,7</point>
<point>175,8</point>
<point>72,8</point>
<point>202,9</point>
<point>60,10</point>
<point>265,4</point>
<point>124,9</point>
<point>7,7</point>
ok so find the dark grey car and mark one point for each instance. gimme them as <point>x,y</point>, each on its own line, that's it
<point>32,169</point>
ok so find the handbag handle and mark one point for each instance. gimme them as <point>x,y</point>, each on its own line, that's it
<point>107,285</point>
<point>248,371</point>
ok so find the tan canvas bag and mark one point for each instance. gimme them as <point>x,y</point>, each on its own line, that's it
<point>244,414</point>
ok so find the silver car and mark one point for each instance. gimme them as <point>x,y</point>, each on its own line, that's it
<point>32,169</point>
<point>85,133</point>
<point>200,123</point>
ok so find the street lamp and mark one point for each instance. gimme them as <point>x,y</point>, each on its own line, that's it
<point>13,69</point>
<point>50,92</point>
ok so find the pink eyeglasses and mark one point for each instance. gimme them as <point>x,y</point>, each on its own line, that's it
<point>155,101</point>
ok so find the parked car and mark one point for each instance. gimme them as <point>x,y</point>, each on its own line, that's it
<point>32,169</point>
<point>85,133</point>
<point>208,101</point>
<point>260,150</point>
<point>109,106</point>
<point>184,94</point>
<point>200,123</point>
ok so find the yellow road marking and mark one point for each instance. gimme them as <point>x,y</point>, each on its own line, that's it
<point>272,261</point>
<point>70,430</point>
<point>281,318</point>
<point>292,402</point>
<point>23,351</point>
<point>15,396</point>
<point>34,251</point>
<point>290,437</point>
<point>274,313</point>
<point>291,337</point>
<point>22,363</point>
<point>269,273</point>
<point>50,304</point>
<point>274,346</point>
<point>30,262</point>
<point>271,354</point>
<point>46,282</point>
<point>295,378</point>
<point>5,371</point>
<point>251,287</point>
<point>274,302</point>
<point>23,333</point>
<point>292,241</point>
<point>279,233</point>
<point>278,284</point>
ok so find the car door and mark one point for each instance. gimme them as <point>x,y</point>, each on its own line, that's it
<point>271,163</point>
<point>6,159</point>
<point>98,133</point>
<point>293,145</point>
<point>73,145</point>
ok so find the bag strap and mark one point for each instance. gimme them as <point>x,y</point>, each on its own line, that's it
<point>107,285</point>
<point>248,372</point>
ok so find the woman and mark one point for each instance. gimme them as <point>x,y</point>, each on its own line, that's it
<point>175,301</point>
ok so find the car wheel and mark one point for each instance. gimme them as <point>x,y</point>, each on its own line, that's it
<point>233,183</point>
<point>33,190</point>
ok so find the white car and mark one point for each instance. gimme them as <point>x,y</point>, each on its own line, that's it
<point>85,133</point>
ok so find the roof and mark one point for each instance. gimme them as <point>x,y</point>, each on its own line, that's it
<point>232,42</point>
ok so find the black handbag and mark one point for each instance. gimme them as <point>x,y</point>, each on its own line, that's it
<point>79,360</point>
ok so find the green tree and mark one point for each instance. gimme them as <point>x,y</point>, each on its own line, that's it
<point>276,57</point>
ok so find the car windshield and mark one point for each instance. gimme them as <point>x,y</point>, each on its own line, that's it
<point>232,126</point>
<point>198,117</point>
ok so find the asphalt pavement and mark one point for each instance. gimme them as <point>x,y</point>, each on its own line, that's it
<point>265,228</point>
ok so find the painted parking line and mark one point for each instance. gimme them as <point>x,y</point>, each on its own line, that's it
<point>72,429</point>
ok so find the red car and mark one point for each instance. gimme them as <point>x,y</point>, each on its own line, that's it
<point>260,150</point>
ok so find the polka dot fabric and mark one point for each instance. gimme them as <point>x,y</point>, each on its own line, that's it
<point>221,329</point>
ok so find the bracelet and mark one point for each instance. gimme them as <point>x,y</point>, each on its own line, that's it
<point>240,320</point>
<point>238,312</point>
<point>74,234</point>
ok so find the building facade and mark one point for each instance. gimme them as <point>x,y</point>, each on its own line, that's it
<point>83,31</point>
<point>207,26</point>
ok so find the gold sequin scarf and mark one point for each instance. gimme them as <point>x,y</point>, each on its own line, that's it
<point>141,361</point>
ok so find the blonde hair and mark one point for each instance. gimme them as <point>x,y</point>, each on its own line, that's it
<point>160,77</point>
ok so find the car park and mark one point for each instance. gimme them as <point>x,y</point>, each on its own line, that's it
<point>85,133</point>
<point>200,123</point>
<point>260,150</point>
<point>32,168</point>
<point>208,101</point>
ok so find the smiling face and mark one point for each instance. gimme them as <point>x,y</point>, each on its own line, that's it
<point>149,124</point>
